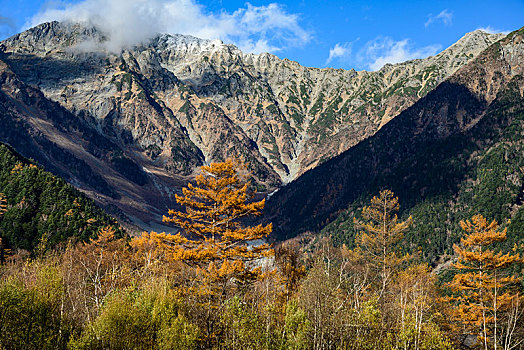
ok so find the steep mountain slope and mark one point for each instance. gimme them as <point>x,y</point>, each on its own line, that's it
<point>184,101</point>
<point>71,148</point>
<point>130,129</point>
<point>39,203</point>
<point>457,151</point>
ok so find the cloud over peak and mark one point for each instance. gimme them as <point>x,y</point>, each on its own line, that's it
<point>375,53</point>
<point>386,50</point>
<point>339,51</point>
<point>129,22</point>
<point>445,16</point>
<point>491,30</point>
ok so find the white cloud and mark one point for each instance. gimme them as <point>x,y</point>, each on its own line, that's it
<point>378,52</point>
<point>384,50</point>
<point>445,16</point>
<point>491,30</point>
<point>129,22</point>
<point>339,51</point>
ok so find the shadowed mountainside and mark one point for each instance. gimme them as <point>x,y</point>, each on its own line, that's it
<point>431,150</point>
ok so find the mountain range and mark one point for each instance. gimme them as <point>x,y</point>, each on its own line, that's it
<point>130,129</point>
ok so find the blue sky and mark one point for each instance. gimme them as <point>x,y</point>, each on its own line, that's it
<point>340,34</point>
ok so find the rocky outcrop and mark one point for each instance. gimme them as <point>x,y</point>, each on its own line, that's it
<point>71,148</point>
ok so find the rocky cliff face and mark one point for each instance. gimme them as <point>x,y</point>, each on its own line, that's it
<point>165,107</point>
<point>184,101</point>
<point>71,148</point>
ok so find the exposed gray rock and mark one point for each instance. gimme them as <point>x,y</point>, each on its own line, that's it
<point>187,93</point>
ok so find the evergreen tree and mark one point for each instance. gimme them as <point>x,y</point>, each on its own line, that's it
<point>3,204</point>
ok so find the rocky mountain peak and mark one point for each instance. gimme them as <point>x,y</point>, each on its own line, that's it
<point>475,42</point>
<point>187,43</point>
<point>52,36</point>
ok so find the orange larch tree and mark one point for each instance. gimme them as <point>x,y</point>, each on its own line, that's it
<point>3,209</point>
<point>3,204</point>
<point>214,234</point>
<point>381,230</point>
<point>482,286</point>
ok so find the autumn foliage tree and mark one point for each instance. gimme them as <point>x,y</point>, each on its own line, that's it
<point>482,286</point>
<point>94,270</point>
<point>3,204</point>
<point>214,235</point>
<point>3,209</point>
<point>380,231</point>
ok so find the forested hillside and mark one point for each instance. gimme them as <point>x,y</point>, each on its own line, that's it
<point>41,207</point>
<point>481,171</point>
<point>210,287</point>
